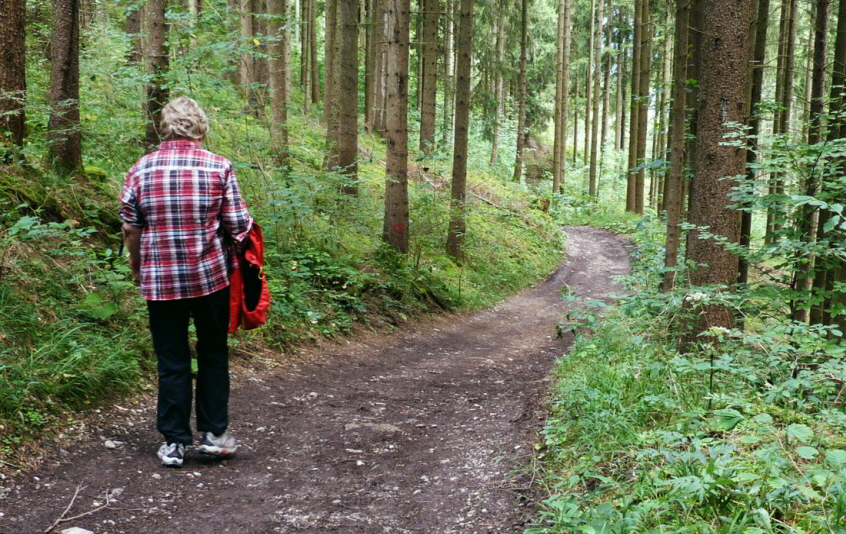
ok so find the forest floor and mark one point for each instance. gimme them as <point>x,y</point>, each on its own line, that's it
<point>429,429</point>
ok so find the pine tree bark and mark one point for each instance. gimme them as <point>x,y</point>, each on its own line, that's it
<point>395,228</point>
<point>12,74</point>
<point>673,197</point>
<point>643,115</point>
<point>722,97</point>
<point>521,118</point>
<point>559,172</point>
<point>589,84</point>
<point>246,67</point>
<point>464,49</point>
<point>348,85</point>
<point>277,9</point>
<point>499,84</point>
<point>620,79</point>
<point>329,61</point>
<point>158,63</point>
<point>809,215</point>
<point>449,96</point>
<point>757,87</point>
<point>312,36</point>
<point>134,12</point>
<point>305,55</point>
<point>429,57</point>
<point>631,173</point>
<point>827,274</point>
<point>597,76</point>
<point>606,93</point>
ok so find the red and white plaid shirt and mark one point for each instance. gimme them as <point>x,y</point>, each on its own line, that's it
<point>187,202</point>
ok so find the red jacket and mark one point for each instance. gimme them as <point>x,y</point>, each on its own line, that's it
<point>249,297</point>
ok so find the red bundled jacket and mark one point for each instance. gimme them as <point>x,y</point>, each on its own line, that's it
<point>249,297</point>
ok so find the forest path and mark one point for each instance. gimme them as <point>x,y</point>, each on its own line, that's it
<point>426,430</point>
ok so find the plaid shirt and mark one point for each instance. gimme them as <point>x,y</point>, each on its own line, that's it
<point>186,200</point>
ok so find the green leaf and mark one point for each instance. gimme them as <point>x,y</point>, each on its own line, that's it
<point>729,418</point>
<point>835,457</point>
<point>807,453</point>
<point>831,223</point>
<point>803,433</point>
<point>763,419</point>
<point>104,312</point>
<point>810,492</point>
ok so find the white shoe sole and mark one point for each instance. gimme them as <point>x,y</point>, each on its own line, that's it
<point>171,462</point>
<point>216,451</point>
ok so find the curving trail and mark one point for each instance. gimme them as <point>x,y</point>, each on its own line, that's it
<point>426,430</point>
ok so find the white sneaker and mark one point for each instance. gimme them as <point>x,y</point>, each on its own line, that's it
<point>172,454</point>
<point>222,445</point>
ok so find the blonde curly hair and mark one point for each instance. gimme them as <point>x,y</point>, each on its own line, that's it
<point>183,118</point>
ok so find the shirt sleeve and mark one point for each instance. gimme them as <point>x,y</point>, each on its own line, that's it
<point>130,211</point>
<point>235,216</point>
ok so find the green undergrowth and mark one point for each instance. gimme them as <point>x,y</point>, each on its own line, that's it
<point>742,434</point>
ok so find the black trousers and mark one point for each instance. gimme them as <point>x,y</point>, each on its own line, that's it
<point>169,327</point>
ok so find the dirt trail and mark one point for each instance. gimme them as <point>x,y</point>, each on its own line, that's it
<point>427,430</point>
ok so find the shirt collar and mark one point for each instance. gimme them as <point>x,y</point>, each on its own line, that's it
<point>180,144</point>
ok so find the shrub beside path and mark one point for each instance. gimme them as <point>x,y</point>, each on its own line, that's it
<point>429,429</point>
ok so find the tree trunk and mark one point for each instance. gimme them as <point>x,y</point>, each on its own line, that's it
<point>499,85</point>
<point>457,224</point>
<point>589,84</point>
<point>12,74</point>
<point>306,80</point>
<point>559,172</point>
<point>348,114</point>
<point>809,216</point>
<point>757,87</point>
<point>277,9</point>
<point>576,87</point>
<point>673,198</point>
<point>63,135</point>
<point>158,64</point>
<point>643,115</point>
<point>722,97</point>
<point>312,35</point>
<point>621,76</point>
<point>606,94</point>
<point>134,12</point>
<point>597,76</point>
<point>395,227</point>
<point>429,57</point>
<point>246,67</point>
<point>521,119</point>
<point>635,108</point>
<point>329,61</point>
<point>449,99</point>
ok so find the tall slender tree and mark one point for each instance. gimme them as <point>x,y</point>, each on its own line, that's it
<point>501,19</point>
<point>348,85</point>
<point>631,173</point>
<point>449,93</point>
<point>464,48</point>
<point>429,57</point>
<point>158,64</point>
<point>12,73</point>
<point>643,97</point>
<point>395,228</point>
<point>521,118</point>
<point>756,91</point>
<point>673,197</point>
<point>278,10</point>
<point>597,76</point>
<point>63,135</point>
<point>559,174</point>
<point>722,98</point>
